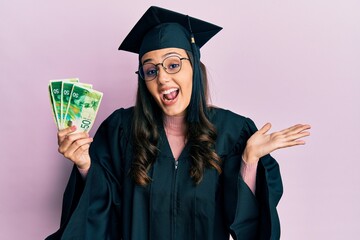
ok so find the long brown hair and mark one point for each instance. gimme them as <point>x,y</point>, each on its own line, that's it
<point>201,135</point>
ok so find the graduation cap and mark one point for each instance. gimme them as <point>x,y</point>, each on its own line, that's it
<point>161,28</point>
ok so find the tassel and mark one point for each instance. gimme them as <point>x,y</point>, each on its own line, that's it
<point>198,100</point>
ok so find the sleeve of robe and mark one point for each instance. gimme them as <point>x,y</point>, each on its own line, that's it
<point>253,216</point>
<point>91,208</point>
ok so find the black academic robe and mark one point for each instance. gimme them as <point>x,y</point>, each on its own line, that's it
<point>108,205</point>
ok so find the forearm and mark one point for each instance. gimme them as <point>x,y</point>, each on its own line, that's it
<point>83,172</point>
<point>248,174</point>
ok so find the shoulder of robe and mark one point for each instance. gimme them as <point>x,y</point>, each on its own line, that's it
<point>118,124</point>
<point>120,118</point>
<point>233,130</point>
<point>111,140</point>
<point>113,130</point>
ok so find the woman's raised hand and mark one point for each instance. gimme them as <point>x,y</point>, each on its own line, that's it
<point>261,143</point>
<point>75,147</point>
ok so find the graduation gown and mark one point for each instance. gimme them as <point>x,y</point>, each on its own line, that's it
<point>108,205</point>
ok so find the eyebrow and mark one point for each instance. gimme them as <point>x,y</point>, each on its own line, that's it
<point>163,56</point>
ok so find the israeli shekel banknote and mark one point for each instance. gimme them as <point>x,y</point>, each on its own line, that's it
<point>55,89</point>
<point>52,106</point>
<point>70,109</point>
<point>67,87</point>
<point>82,108</point>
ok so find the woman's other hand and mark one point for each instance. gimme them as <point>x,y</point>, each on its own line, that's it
<point>261,143</point>
<point>75,147</point>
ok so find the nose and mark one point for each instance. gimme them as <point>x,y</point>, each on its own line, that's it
<point>162,75</point>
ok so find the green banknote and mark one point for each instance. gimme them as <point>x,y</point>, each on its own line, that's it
<point>55,87</point>
<point>56,93</point>
<point>82,108</point>
<point>67,87</point>
<point>52,105</point>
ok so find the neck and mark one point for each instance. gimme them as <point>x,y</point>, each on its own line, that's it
<point>175,125</point>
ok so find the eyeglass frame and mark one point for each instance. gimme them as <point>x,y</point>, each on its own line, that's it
<point>162,65</point>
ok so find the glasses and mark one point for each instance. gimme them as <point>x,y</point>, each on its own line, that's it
<point>171,65</point>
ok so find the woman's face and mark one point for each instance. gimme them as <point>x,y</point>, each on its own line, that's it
<point>172,92</point>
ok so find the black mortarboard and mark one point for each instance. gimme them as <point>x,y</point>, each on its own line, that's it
<point>160,28</point>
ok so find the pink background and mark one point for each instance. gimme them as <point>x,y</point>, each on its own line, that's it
<point>279,61</point>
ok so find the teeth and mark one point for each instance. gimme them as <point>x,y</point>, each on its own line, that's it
<point>169,90</point>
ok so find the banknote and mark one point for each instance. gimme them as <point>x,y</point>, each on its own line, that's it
<point>52,105</point>
<point>56,92</point>
<point>67,87</point>
<point>82,108</point>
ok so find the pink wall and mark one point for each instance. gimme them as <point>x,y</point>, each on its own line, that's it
<point>279,61</point>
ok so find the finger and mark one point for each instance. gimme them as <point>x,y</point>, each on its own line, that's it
<point>294,139</point>
<point>62,133</point>
<point>265,128</point>
<point>289,129</point>
<point>69,139</point>
<point>297,136</point>
<point>305,127</point>
<point>292,144</point>
<point>82,157</point>
<point>295,129</point>
<point>81,151</point>
<point>299,130</point>
<point>301,127</point>
<point>80,144</point>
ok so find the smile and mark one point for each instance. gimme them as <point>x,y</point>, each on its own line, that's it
<point>170,95</point>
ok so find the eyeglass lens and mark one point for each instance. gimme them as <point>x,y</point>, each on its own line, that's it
<point>171,65</point>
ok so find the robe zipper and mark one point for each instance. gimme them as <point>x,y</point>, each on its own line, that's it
<point>174,201</point>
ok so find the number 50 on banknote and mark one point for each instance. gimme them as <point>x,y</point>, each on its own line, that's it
<point>82,108</point>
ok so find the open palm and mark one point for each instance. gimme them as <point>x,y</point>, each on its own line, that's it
<point>261,143</point>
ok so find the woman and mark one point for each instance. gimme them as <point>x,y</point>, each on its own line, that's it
<point>173,167</point>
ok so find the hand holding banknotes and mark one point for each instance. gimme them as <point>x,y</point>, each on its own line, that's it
<point>75,147</point>
<point>74,107</point>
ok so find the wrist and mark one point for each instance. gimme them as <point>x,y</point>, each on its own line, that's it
<point>83,167</point>
<point>249,158</point>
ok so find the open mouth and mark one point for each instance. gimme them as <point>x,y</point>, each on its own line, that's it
<point>170,94</point>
